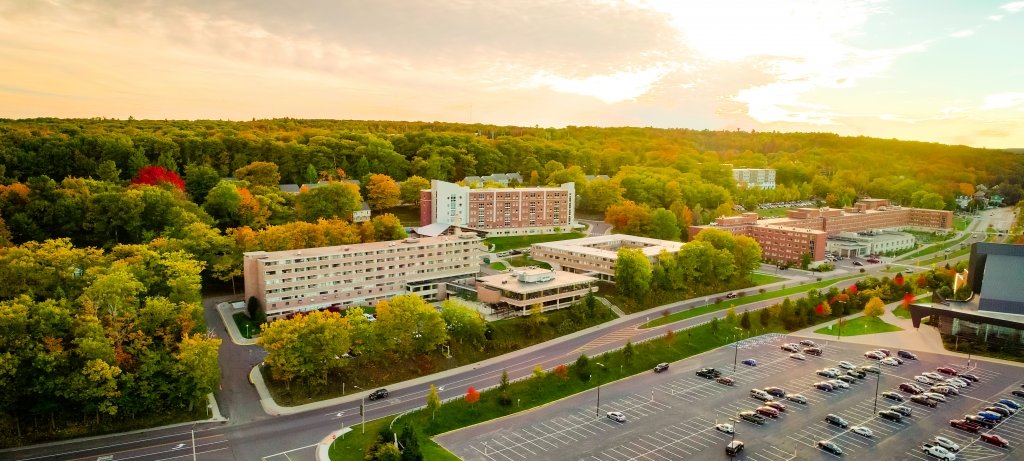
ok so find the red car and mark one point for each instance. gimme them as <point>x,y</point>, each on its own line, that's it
<point>768,411</point>
<point>946,371</point>
<point>964,425</point>
<point>995,440</point>
<point>776,405</point>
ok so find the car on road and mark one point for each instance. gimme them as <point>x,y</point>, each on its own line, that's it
<point>725,380</point>
<point>830,447</point>
<point>812,351</point>
<point>946,443</point>
<point>660,367</point>
<point>923,379</point>
<point>892,396</point>
<point>767,411</point>
<point>986,423</point>
<point>752,417</point>
<point>617,416</point>
<point>891,415</point>
<point>727,428</point>
<point>797,398</point>
<point>798,356</point>
<point>1010,403</point>
<point>775,405</point>
<point>906,355</point>
<point>731,296</point>
<point>749,362</point>
<point>933,375</point>
<point>734,448</point>
<point>964,425</point>
<point>910,388</point>
<point>947,371</point>
<point>935,396</point>
<point>775,391</point>
<point>791,347</point>
<point>808,343</point>
<point>378,394</point>
<point>836,420</point>
<point>995,440</point>
<point>863,431</point>
<point>709,373</point>
<point>846,365</point>
<point>922,400</point>
<point>901,409</point>
<point>858,263</point>
<point>824,386</point>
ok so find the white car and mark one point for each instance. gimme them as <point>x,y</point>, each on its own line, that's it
<point>947,444</point>
<point>838,383</point>
<point>798,356</point>
<point>956,382</point>
<point>935,396</point>
<point>370,317</point>
<point>847,365</point>
<point>861,430</point>
<point>923,379</point>
<point>889,361</point>
<point>834,371</point>
<point>616,416</point>
<point>933,375</point>
<point>727,428</point>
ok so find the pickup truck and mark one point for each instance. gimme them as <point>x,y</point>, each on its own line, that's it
<point>938,452</point>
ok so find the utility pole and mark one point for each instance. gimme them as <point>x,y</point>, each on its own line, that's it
<point>193,441</point>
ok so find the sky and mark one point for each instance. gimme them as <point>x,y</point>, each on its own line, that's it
<point>947,71</point>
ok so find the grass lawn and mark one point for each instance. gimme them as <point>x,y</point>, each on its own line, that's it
<point>498,266</point>
<point>522,241</point>
<point>526,260</point>
<point>860,326</point>
<point>246,326</point>
<point>900,312</point>
<point>760,278</point>
<point>683,315</point>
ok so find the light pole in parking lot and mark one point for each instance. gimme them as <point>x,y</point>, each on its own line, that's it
<point>878,378</point>
<point>598,411</point>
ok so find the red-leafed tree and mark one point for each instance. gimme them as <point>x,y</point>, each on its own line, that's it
<point>907,299</point>
<point>155,175</point>
<point>823,309</point>
<point>922,281</point>
<point>562,372</point>
<point>852,289</point>
<point>898,280</point>
<point>472,395</point>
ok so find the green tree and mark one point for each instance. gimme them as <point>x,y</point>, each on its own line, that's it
<point>664,225</point>
<point>730,316</point>
<point>223,203</point>
<point>433,401</point>
<point>199,180</point>
<point>745,320</point>
<point>536,320</point>
<point>627,353</point>
<point>582,367</point>
<point>382,192</point>
<point>260,174</point>
<point>410,190</point>
<point>311,176</point>
<point>306,346</point>
<point>410,444</point>
<point>197,367</point>
<point>805,260</point>
<point>410,324</point>
<point>764,315</point>
<point>633,273</point>
<point>334,200</point>
<point>107,171</point>
<point>388,227</point>
<point>503,389</point>
<point>463,323</point>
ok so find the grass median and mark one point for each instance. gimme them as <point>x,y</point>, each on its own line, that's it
<point>859,326</point>
<point>523,241</point>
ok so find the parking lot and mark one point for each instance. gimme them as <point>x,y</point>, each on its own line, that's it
<point>672,415</point>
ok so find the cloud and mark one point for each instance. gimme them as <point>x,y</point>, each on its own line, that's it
<point>962,33</point>
<point>1003,101</point>
<point>611,88</point>
<point>996,17</point>
<point>1012,7</point>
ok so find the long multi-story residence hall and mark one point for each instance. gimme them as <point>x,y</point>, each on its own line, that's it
<point>500,211</point>
<point>287,282</point>
<point>805,230</point>
<point>596,256</point>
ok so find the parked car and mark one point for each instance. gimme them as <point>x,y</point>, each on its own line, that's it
<point>838,384</point>
<point>906,355</point>
<point>725,380</point>
<point>808,343</point>
<point>775,391</point>
<point>990,415</point>
<point>935,396</point>
<point>617,416</point>
<point>826,373</point>
<point>995,440</point>
<point>798,356</point>
<point>749,362</point>
<point>978,420</point>
<point>824,386</point>
<point>709,373</point>
<point>946,443</point>
<point>1002,411</point>
<point>923,379</point>
<point>889,361</point>
<point>875,355</point>
<point>933,375</point>
<point>797,398</point>
<point>870,369</point>
<point>760,395</point>
<point>892,396</point>
<point>863,431</point>
<point>775,405</point>
<point>812,351</point>
<point>859,374</point>
<point>1017,392</point>
<point>752,417</point>
<point>858,263</point>
<point>727,428</point>
<point>846,365</point>
<point>910,388</point>
<point>944,390</point>
<point>922,400</point>
<point>830,447</point>
<point>964,425</point>
<point>836,420</point>
<point>660,367</point>
<point>1010,403</point>
<point>938,452</point>
<point>734,448</point>
<point>847,379</point>
<point>947,371</point>
<point>891,415</point>
<point>378,394</point>
<point>791,347</point>
<point>901,409</point>
<point>1004,406</point>
<point>767,411</point>
<point>972,378</point>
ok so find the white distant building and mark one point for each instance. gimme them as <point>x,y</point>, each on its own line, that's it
<point>760,178</point>
<point>363,214</point>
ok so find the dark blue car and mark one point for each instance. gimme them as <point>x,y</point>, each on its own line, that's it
<point>750,362</point>
<point>990,415</point>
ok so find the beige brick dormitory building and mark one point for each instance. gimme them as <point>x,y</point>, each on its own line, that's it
<point>500,211</point>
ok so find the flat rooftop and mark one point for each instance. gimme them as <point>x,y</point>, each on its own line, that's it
<point>511,281</point>
<point>362,247</point>
<point>607,246</point>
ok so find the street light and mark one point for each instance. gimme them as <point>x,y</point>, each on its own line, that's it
<point>362,409</point>
<point>597,412</point>
<point>194,441</point>
<point>878,379</point>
